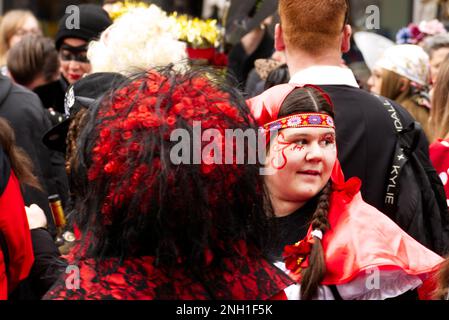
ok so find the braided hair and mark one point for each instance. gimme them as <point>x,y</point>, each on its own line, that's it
<point>75,128</point>
<point>311,99</point>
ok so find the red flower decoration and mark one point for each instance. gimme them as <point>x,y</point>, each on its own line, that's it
<point>171,120</point>
<point>348,189</point>
<point>416,33</point>
<point>295,256</point>
<point>143,108</point>
<point>111,167</point>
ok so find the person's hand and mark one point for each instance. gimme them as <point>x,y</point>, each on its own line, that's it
<point>36,217</point>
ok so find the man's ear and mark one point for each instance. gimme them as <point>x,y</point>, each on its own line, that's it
<point>279,43</point>
<point>346,39</point>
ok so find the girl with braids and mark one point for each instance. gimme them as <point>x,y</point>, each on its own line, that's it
<point>155,228</point>
<point>332,243</point>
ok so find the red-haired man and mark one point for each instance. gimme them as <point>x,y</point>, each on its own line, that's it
<point>314,34</point>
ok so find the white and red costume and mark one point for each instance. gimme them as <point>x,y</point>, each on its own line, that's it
<point>367,255</point>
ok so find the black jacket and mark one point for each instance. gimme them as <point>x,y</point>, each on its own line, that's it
<point>366,141</point>
<point>52,94</point>
<point>23,110</point>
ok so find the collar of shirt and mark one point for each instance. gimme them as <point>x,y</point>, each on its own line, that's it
<point>325,75</point>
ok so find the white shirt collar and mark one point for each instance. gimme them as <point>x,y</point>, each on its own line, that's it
<point>325,75</point>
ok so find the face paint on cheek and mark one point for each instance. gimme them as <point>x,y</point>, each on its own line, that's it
<point>279,149</point>
<point>297,148</point>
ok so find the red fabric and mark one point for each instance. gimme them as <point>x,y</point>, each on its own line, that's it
<point>265,107</point>
<point>213,57</point>
<point>238,278</point>
<point>280,296</point>
<point>439,155</point>
<point>14,226</point>
<point>361,237</point>
<point>206,53</point>
<point>429,287</point>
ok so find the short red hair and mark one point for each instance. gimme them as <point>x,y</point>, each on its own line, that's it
<point>312,25</point>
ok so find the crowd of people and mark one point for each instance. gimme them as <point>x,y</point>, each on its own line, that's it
<point>355,180</point>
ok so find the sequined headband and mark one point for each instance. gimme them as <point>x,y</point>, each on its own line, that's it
<point>300,120</point>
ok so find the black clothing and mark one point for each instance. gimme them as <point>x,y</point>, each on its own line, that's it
<point>82,95</point>
<point>26,116</point>
<point>5,170</point>
<point>290,229</point>
<point>240,64</point>
<point>366,141</point>
<point>254,84</point>
<point>52,95</point>
<point>47,268</point>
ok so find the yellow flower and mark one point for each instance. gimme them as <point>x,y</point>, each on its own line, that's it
<point>118,9</point>
<point>196,32</point>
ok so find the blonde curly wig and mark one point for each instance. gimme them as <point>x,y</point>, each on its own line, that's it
<point>142,38</point>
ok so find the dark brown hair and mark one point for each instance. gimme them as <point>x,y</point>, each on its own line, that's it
<point>33,56</point>
<point>311,99</point>
<point>20,162</point>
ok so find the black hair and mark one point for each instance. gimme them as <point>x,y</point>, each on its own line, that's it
<point>176,212</point>
<point>280,75</point>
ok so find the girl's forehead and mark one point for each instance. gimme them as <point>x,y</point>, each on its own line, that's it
<point>307,131</point>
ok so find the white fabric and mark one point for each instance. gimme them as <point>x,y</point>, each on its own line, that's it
<point>325,75</point>
<point>390,284</point>
<point>293,292</point>
<point>372,46</point>
<point>407,60</point>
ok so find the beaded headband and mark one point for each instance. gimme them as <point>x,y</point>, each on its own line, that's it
<point>301,120</point>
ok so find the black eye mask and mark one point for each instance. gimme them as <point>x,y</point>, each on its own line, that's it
<point>70,48</point>
<point>69,53</point>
